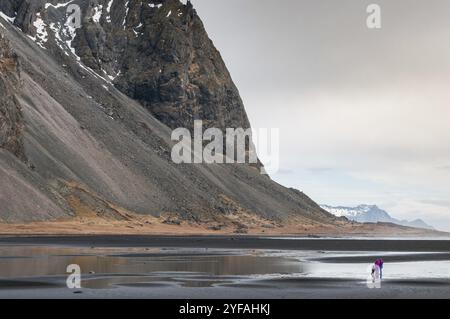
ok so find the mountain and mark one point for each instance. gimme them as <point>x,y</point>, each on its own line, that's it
<point>87,114</point>
<point>372,214</point>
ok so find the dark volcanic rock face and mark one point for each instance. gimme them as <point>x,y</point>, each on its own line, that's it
<point>24,12</point>
<point>11,119</point>
<point>164,59</point>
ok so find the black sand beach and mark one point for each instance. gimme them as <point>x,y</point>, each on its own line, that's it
<point>237,242</point>
<point>218,267</point>
<point>263,289</point>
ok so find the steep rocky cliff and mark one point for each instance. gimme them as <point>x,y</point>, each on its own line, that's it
<point>88,126</point>
<point>156,52</point>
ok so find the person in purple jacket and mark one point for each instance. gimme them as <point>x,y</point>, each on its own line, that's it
<point>379,262</point>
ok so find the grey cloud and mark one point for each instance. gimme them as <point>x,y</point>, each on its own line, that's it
<point>320,169</point>
<point>437,202</point>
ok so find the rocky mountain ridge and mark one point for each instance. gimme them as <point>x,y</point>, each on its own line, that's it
<point>93,111</point>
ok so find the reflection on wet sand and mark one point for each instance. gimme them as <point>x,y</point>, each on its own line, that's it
<point>106,267</point>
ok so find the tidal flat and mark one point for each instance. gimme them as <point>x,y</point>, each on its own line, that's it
<point>222,267</point>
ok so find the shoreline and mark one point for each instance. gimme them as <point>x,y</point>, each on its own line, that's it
<point>235,242</point>
<point>146,225</point>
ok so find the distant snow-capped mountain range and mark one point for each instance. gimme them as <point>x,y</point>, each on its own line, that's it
<point>372,214</point>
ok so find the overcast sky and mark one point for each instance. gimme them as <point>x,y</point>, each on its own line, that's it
<point>364,115</point>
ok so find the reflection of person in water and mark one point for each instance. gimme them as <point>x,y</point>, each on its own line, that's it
<point>375,273</point>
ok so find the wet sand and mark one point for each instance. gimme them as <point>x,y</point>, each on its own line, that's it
<point>212,267</point>
<point>389,258</point>
<point>289,288</point>
<point>237,242</point>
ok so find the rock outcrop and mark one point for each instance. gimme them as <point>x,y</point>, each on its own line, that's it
<point>11,119</point>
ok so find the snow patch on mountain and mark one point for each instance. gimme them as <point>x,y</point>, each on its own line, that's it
<point>41,31</point>
<point>7,18</point>
<point>59,5</point>
<point>98,11</point>
<point>108,11</point>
